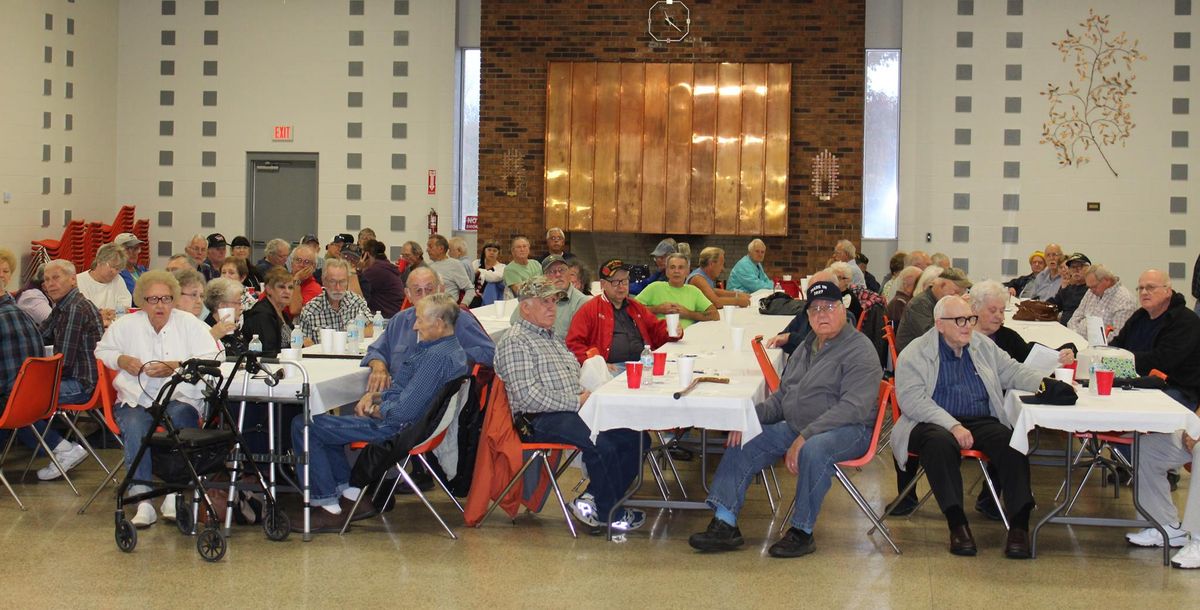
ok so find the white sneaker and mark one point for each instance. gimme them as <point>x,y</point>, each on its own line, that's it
<point>168,507</point>
<point>1151,537</point>
<point>584,509</point>
<point>69,459</point>
<point>629,519</point>
<point>1189,557</point>
<point>145,516</point>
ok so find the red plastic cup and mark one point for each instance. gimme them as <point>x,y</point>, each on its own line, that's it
<point>660,364</point>
<point>1104,381</point>
<point>633,374</point>
<point>1070,366</point>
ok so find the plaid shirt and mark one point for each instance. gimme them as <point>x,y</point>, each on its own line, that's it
<point>74,327</point>
<point>18,340</point>
<point>541,375</point>
<point>318,314</point>
<point>1114,307</point>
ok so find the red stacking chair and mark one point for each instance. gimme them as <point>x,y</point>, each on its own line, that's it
<point>33,397</point>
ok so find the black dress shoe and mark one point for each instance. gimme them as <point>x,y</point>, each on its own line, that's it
<point>1017,546</point>
<point>794,543</point>
<point>1173,479</point>
<point>961,541</point>
<point>719,536</point>
<point>904,508</point>
<point>987,507</point>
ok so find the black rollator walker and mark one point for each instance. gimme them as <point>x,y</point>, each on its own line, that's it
<point>185,460</point>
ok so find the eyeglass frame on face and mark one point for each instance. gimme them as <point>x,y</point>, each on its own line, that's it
<point>961,321</point>
<point>617,283</point>
<point>165,299</point>
<point>830,308</point>
<point>198,295</point>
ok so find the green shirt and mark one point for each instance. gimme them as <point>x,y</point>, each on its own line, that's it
<point>516,273</point>
<point>687,296</point>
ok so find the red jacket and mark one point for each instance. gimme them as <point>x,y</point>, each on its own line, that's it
<point>592,326</point>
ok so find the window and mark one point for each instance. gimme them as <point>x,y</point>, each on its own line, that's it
<point>881,144</point>
<point>467,200</point>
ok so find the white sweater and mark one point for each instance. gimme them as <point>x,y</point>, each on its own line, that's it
<point>183,337</point>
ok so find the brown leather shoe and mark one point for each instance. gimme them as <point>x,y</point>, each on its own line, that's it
<point>323,521</point>
<point>961,541</point>
<point>366,509</point>
<point>1017,546</point>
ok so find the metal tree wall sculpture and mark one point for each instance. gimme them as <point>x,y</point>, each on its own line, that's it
<point>1093,111</point>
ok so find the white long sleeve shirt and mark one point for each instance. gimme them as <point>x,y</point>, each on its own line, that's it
<point>183,337</point>
<point>105,296</point>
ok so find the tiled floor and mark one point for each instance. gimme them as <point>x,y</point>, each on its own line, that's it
<point>56,558</point>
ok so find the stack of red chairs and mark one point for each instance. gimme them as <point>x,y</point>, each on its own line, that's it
<point>141,229</point>
<point>81,239</point>
<point>70,246</point>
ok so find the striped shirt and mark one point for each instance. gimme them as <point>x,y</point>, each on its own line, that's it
<point>74,327</point>
<point>541,375</point>
<point>428,367</point>
<point>959,389</point>
<point>18,340</point>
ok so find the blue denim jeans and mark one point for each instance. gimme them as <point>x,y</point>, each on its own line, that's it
<point>328,468</point>
<point>72,392</point>
<point>612,461</point>
<point>135,423</point>
<point>816,461</point>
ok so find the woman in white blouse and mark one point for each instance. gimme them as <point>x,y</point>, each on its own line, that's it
<point>489,281</point>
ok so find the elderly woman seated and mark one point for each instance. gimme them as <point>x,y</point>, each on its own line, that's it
<point>145,348</point>
<point>988,299</point>
<point>225,294</point>
<point>269,318</point>
<point>191,292</point>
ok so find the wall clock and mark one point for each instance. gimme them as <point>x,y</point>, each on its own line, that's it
<point>668,21</point>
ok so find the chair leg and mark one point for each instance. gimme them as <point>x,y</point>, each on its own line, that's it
<point>440,482</point>
<point>4,480</point>
<point>865,507</point>
<point>83,441</point>
<point>425,501</point>
<point>656,470</point>
<point>762,476</point>
<point>995,496</point>
<point>671,463</point>
<point>508,488</point>
<point>42,442</point>
<point>1075,462</point>
<point>775,479</point>
<point>887,511</point>
<point>557,493</point>
<point>112,475</point>
<point>353,509</point>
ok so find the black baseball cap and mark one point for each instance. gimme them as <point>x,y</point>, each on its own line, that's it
<point>610,267</point>
<point>240,242</point>
<point>309,239</point>
<point>823,291</point>
<point>1052,392</point>
<point>1078,257</point>
<point>216,240</point>
<point>342,238</point>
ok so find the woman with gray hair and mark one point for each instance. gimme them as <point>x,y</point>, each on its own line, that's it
<point>103,285</point>
<point>224,293</point>
<point>191,292</point>
<point>988,299</point>
<point>32,300</point>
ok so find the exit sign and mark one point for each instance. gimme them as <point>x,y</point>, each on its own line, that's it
<point>283,133</point>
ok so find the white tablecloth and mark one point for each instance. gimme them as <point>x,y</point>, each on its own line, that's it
<point>318,350</point>
<point>1124,410</point>
<point>332,383</point>
<point>494,318</point>
<point>1050,334</point>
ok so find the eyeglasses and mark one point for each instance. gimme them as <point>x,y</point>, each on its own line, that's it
<point>303,261</point>
<point>194,295</point>
<point>618,283</point>
<point>830,308</point>
<point>1148,288</point>
<point>165,299</point>
<point>962,321</point>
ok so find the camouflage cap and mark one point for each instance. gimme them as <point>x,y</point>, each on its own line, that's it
<point>540,287</point>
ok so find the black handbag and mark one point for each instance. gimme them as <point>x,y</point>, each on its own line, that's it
<point>780,304</point>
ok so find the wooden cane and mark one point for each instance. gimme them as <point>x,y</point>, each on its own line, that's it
<point>698,380</point>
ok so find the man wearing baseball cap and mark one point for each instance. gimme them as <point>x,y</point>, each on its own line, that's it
<point>659,253</point>
<point>918,316</point>
<point>334,248</point>
<point>822,414</point>
<point>311,241</point>
<point>214,258</point>
<point>542,379</point>
<point>556,269</point>
<point>133,249</point>
<point>1074,286</point>
<point>616,326</point>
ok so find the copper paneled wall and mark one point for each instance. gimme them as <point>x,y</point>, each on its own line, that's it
<point>668,148</point>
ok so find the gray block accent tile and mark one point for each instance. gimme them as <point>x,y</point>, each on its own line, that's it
<point>166,128</point>
<point>208,158</point>
<point>48,55</point>
<point>45,218</point>
<point>166,188</point>
<point>966,7</point>
<point>1180,105</point>
<point>400,38</point>
<point>1178,237</point>
<point>356,7</point>
<point>168,7</point>
<point>166,67</point>
<point>399,192</point>
<point>208,220</point>
<point>354,99</point>
<point>962,169</point>
<point>45,152</point>
<point>395,252</point>
<point>49,25</point>
<point>212,7</point>
<point>1016,7</point>
<point>1012,72</point>
<point>963,72</point>
<point>167,38</point>
<point>964,40</point>
<point>356,38</point>
<point>66,217</point>
<point>1179,171</point>
<point>69,90</point>
<point>962,137</point>
<point>354,68</point>
<point>399,131</point>
<point>1010,202</point>
<point>353,160</point>
<point>353,192</point>
<point>399,161</point>
<point>68,154</point>
<point>68,122</point>
<point>397,223</point>
<point>209,67</point>
<point>962,234</point>
<point>208,128</point>
<point>1008,266</point>
<point>166,158</point>
<point>1179,139</point>
<point>71,25</point>
<point>399,68</point>
<point>209,98</point>
<point>962,103</point>
<point>70,60</point>
<point>47,87</point>
<point>962,201</point>
<point>165,218</point>
<point>1183,7</point>
<point>1177,271</point>
<point>1183,40</point>
<point>210,38</point>
<point>1012,105</point>
<point>1181,74</point>
<point>1012,169</point>
<point>165,248</point>
<point>46,120</point>
<point>1010,235</point>
<point>353,130</point>
<point>353,222</point>
<point>399,99</point>
<point>400,7</point>
<point>166,98</point>
<point>1179,205</point>
<point>961,263</point>
<point>208,189</point>
<point>1014,40</point>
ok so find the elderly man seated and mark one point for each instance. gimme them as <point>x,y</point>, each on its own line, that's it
<point>676,296</point>
<point>436,359</point>
<point>1037,262</point>
<point>799,328</point>
<point>747,274</point>
<point>1048,281</point>
<point>906,281</point>
<point>918,316</point>
<point>660,252</point>
<point>1074,286</point>
<point>542,379</point>
<point>950,383</point>
<point>821,415</point>
<point>1164,334</point>
<point>454,277</point>
<point>616,326</point>
<point>556,269</point>
<point>710,266</point>
<point>336,306</point>
<point>1106,299</point>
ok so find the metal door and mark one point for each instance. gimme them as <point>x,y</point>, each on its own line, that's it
<point>281,197</point>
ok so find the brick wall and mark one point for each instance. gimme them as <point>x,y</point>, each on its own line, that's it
<point>822,39</point>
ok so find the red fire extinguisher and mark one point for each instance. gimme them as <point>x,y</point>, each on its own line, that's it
<point>433,221</point>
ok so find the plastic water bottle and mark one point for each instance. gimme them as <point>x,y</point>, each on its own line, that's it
<point>255,345</point>
<point>122,310</point>
<point>647,366</point>
<point>351,336</point>
<point>379,323</point>
<point>297,338</point>
<point>360,327</point>
<point>778,287</point>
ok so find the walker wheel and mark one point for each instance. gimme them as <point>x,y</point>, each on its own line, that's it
<point>276,523</point>
<point>126,536</point>
<point>183,515</point>
<point>211,544</point>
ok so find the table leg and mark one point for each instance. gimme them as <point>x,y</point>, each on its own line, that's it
<point>1137,446</point>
